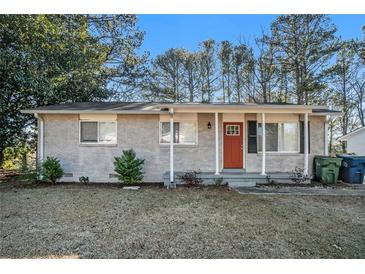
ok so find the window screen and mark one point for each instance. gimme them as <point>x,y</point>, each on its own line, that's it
<point>89,132</point>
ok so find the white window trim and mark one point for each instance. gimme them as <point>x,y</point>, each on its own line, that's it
<point>98,143</point>
<point>281,151</point>
<point>178,144</point>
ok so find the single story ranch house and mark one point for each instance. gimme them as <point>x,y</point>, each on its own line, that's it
<point>241,142</point>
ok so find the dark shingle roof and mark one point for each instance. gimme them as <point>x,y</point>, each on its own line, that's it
<point>154,107</point>
<point>98,106</point>
<point>320,110</point>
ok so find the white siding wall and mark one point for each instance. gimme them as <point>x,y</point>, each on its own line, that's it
<point>356,143</point>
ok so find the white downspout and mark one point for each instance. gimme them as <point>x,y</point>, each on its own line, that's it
<point>263,167</point>
<point>216,144</point>
<point>40,150</point>
<point>326,136</point>
<point>171,146</point>
<point>40,137</point>
<point>306,143</point>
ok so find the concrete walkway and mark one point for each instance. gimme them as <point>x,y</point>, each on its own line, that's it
<point>303,191</point>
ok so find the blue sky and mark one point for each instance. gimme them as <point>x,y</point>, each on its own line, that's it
<point>186,31</point>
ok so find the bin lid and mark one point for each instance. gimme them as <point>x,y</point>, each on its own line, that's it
<point>350,156</point>
<point>326,160</point>
<point>352,160</point>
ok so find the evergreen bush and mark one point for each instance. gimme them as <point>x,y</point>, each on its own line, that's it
<point>51,169</point>
<point>128,167</point>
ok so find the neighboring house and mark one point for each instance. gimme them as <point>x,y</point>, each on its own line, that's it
<point>216,138</point>
<point>355,141</point>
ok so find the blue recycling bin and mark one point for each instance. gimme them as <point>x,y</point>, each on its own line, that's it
<point>352,169</point>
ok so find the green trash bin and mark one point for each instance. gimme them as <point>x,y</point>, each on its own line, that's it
<point>327,169</point>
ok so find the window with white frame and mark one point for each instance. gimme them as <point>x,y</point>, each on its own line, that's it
<point>185,132</point>
<point>280,137</point>
<point>98,132</point>
<point>232,130</point>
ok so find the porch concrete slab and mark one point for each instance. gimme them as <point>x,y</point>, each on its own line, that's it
<point>303,191</point>
<point>233,177</point>
<point>241,184</point>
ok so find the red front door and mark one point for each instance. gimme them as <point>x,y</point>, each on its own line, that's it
<point>233,145</point>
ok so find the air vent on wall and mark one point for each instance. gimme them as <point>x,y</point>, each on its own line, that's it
<point>68,174</point>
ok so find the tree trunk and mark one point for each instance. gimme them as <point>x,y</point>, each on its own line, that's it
<point>223,88</point>
<point>229,89</point>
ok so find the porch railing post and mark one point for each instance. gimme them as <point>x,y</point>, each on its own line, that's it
<point>216,144</point>
<point>263,164</point>
<point>306,143</point>
<point>171,147</point>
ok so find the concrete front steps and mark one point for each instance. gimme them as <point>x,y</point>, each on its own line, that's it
<point>234,178</point>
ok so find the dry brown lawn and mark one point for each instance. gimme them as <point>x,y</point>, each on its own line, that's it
<point>77,221</point>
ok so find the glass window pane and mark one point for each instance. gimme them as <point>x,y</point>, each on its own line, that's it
<point>165,132</point>
<point>288,137</point>
<point>187,133</point>
<point>271,137</point>
<point>107,132</point>
<point>271,134</point>
<point>89,132</point>
<point>232,130</point>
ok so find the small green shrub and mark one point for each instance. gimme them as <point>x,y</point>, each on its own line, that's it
<point>30,174</point>
<point>84,180</point>
<point>51,169</point>
<point>218,181</point>
<point>128,167</point>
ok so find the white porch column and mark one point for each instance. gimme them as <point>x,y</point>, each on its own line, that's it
<point>326,136</point>
<point>216,144</point>
<point>306,143</point>
<point>172,146</point>
<point>263,167</point>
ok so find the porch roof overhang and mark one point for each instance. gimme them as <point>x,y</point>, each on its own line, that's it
<point>158,108</point>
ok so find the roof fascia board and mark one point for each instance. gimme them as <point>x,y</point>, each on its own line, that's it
<point>344,137</point>
<point>235,106</point>
<point>243,110</point>
<point>326,114</point>
<point>89,111</point>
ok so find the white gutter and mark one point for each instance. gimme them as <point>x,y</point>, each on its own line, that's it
<point>35,111</point>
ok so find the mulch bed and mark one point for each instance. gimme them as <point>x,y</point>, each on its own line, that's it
<point>6,175</point>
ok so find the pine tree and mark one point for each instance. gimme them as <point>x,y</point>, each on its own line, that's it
<point>129,167</point>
